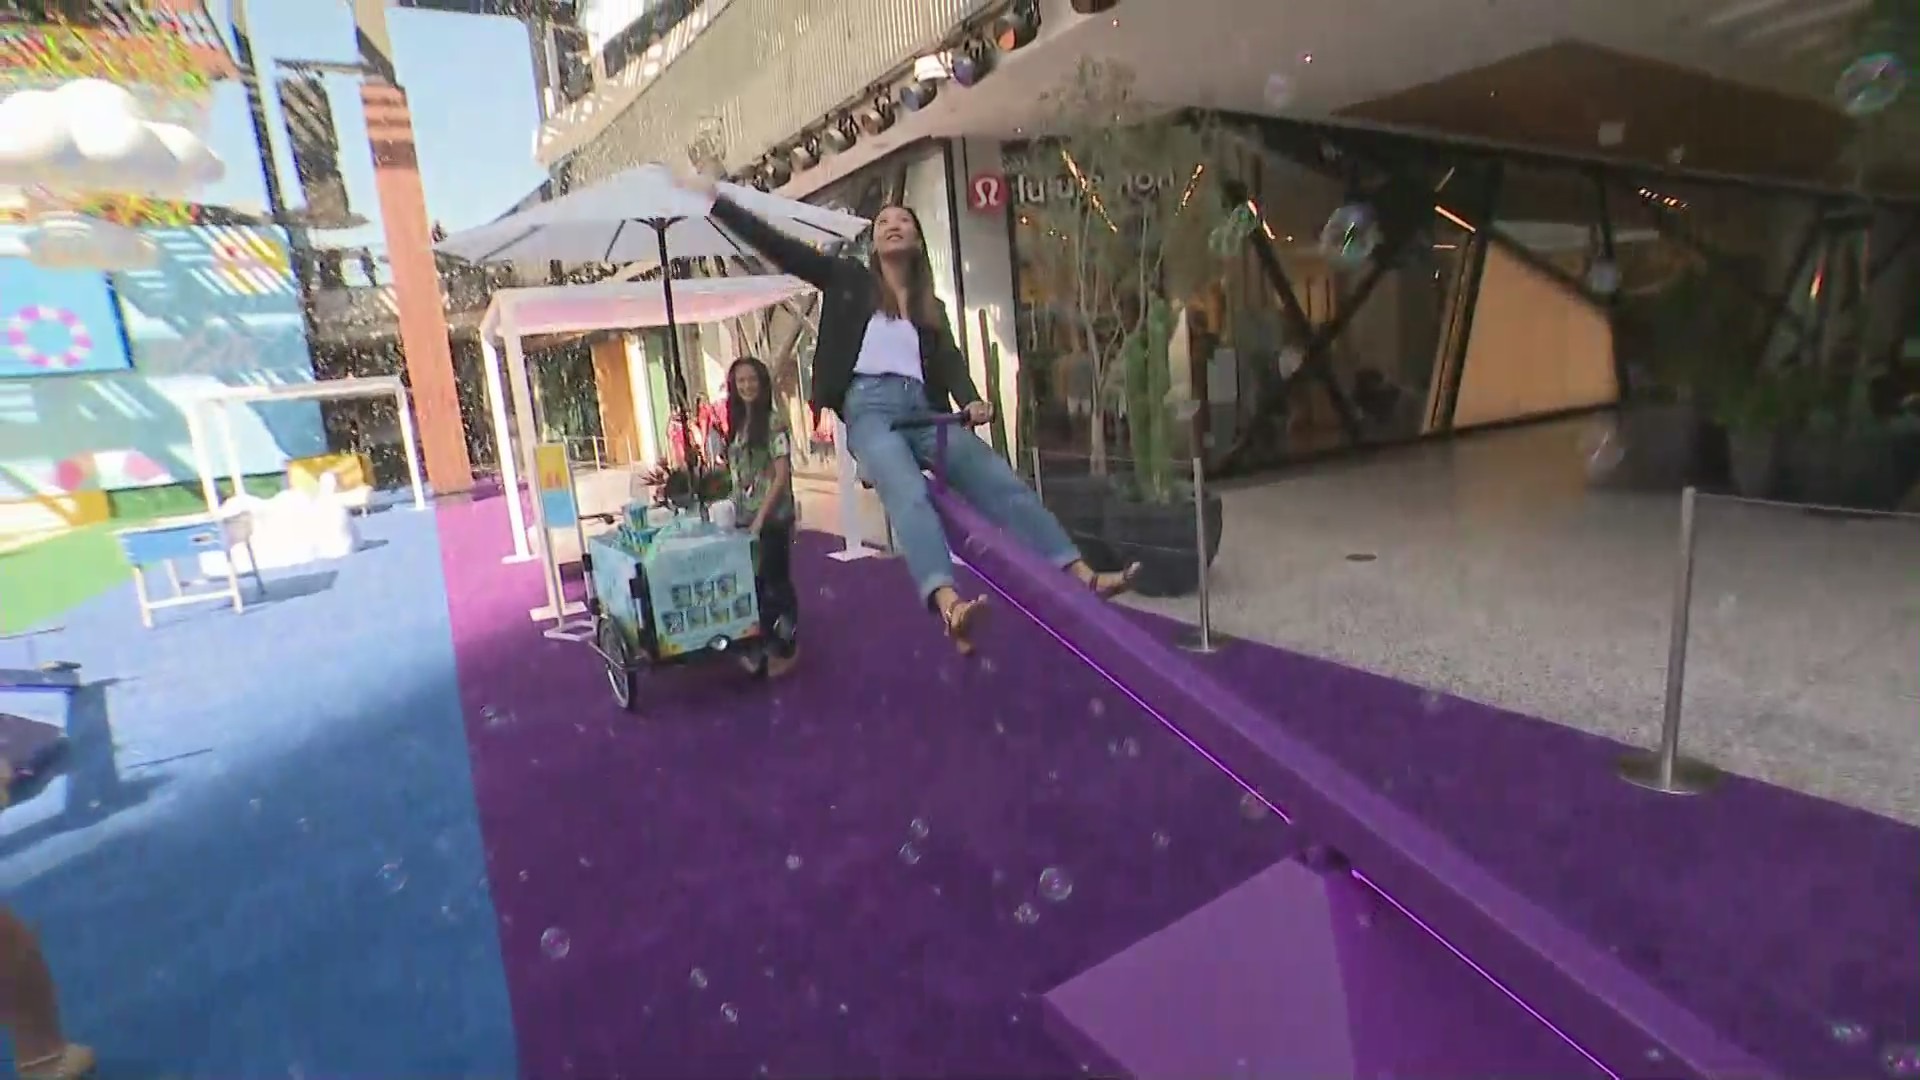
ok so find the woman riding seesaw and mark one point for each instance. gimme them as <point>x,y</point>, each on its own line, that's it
<point>885,353</point>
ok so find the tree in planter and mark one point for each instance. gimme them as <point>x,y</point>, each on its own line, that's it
<point>1130,202</point>
<point>1856,448</point>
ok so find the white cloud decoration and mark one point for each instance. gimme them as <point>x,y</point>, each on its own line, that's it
<point>92,137</point>
<point>64,240</point>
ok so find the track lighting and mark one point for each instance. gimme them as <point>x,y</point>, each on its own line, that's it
<point>839,136</point>
<point>1018,26</point>
<point>875,118</point>
<point>777,170</point>
<point>1093,7</point>
<point>806,155</point>
<point>918,95</point>
<point>971,64</point>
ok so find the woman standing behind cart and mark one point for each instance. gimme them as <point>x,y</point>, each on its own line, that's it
<point>760,457</point>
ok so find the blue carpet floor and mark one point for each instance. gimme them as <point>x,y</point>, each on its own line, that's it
<point>264,859</point>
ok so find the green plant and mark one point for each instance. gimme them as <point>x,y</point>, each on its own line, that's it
<point>1769,400</point>
<point>1148,384</point>
<point>1127,203</point>
<point>998,429</point>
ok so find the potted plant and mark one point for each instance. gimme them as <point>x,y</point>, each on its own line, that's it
<point>1675,339</point>
<point>682,488</point>
<point>1850,453</point>
<point>1127,202</point>
<point>1757,414</point>
<point>1150,514</point>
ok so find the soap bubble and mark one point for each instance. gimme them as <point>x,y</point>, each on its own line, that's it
<point>1432,701</point>
<point>1279,91</point>
<point>1603,277</point>
<point>1847,1033</point>
<point>1026,914</point>
<point>730,1014</point>
<point>918,828</point>
<point>1161,840</point>
<point>1603,449</point>
<point>697,979</point>
<point>1130,746</point>
<point>393,876</point>
<point>1097,707</point>
<point>1350,236</point>
<point>793,862</point>
<point>1251,807</point>
<point>555,943</point>
<point>1055,884</point>
<point>1870,84</point>
<point>1901,1061</point>
<point>909,854</point>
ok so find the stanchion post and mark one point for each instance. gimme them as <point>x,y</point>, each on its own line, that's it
<point>1665,770</point>
<point>1201,638</point>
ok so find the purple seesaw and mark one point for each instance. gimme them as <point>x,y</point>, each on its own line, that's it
<point>1614,1019</point>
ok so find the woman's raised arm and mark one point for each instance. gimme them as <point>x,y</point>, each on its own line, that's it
<point>791,256</point>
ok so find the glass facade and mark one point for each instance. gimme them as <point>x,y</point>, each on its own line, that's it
<point>1503,286</point>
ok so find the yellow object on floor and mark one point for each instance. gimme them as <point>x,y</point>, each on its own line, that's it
<point>351,472</point>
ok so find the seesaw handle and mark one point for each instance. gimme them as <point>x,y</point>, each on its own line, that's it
<point>939,422</point>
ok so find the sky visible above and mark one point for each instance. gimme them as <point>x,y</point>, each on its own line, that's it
<point>469,81</point>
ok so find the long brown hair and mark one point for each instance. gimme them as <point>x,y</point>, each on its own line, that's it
<point>923,307</point>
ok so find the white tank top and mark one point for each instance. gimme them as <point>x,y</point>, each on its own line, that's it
<point>891,347</point>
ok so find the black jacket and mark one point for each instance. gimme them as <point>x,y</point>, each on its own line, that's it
<point>846,306</point>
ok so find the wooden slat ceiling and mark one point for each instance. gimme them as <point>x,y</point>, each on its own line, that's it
<point>1558,97</point>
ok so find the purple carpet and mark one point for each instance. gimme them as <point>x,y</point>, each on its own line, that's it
<point>738,881</point>
<point>1789,923</point>
<point>651,924</point>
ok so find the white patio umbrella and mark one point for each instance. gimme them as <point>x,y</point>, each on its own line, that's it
<point>639,216</point>
<point>643,216</point>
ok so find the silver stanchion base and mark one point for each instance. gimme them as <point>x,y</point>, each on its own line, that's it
<point>1690,777</point>
<point>1193,641</point>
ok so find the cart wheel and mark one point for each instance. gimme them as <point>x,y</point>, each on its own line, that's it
<point>621,675</point>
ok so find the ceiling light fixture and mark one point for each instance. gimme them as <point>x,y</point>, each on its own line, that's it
<point>971,63</point>
<point>778,170</point>
<point>1020,25</point>
<point>1093,7</point>
<point>839,136</point>
<point>918,95</point>
<point>875,118</point>
<point>806,155</point>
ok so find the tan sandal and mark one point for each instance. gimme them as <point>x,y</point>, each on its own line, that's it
<point>72,1062</point>
<point>1108,586</point>
<point>957,619</point>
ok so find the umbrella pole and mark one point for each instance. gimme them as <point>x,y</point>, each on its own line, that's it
<point>676,368</point>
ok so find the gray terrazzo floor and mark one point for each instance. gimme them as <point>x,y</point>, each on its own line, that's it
<point>1500,577</point>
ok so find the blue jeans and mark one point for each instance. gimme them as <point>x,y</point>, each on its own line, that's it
<point>891,461</point>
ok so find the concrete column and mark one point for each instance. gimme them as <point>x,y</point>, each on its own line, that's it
<point>416,280</point>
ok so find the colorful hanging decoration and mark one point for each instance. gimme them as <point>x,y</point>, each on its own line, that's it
<point>152,52</point>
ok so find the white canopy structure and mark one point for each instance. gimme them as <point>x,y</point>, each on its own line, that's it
<point>516,314</point>
<point>221,402</point>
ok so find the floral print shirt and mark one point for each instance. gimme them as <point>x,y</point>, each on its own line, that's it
<point>753,473</point>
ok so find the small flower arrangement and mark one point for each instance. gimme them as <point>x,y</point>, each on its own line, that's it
<point>681,487</point>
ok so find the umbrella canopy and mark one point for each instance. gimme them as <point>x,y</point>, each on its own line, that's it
<point>617,221</point>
